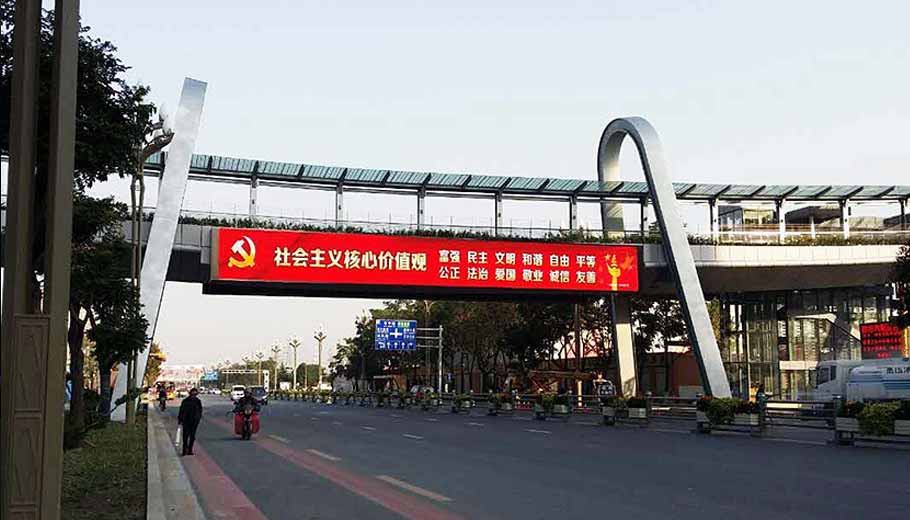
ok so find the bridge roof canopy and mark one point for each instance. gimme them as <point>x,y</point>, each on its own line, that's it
<point>230,168</point>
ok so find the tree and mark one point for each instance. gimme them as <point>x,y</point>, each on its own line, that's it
<point>657,323</point>
<point>153,369</point>
<point>902,281</point>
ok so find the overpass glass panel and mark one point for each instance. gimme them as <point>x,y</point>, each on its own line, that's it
<point>776,192</point>
<point>900,192</point>
<point>447,180</point>
<point>232,165</point>
<point>328,173</point>
<point>872,192</point>
<point>839,192</point>
<point>809,192</point>
<point>155,160</point>
<point>487,181</point>
<point>633,188</point>
<point>199,162</point>
<point>742,190</point>
<point>279,168</point>
<point>525,183</point>
<point>364,175</point>
<point>407,178</point>
<point>682,187</point>
<point>564,185</point>
<point>707,190</point>
<point>601,187</point>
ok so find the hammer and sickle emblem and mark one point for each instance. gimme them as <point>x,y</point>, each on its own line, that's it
<point>246,249</point>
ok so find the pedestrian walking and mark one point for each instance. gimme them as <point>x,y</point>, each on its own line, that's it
<point>188,418</point>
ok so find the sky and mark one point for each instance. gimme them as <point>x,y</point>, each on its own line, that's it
<point>750,92</point>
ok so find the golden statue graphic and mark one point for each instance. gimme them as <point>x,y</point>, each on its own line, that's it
<point>615,270</point>
<point>247,254</point>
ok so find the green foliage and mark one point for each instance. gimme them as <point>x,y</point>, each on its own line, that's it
<point>747,406</point>
<point>546,401</point>
<point>119,328</point>
<point>704,403</point>
<point>721,409</point>
<point>878,418</point>
<point>617,402</point>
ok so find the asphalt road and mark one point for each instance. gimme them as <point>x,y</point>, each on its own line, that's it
<point>315,461</point>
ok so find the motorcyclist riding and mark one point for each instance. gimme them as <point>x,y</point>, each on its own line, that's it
<point>162,397</point>
<point>247,399</point>
<point>246,415</point>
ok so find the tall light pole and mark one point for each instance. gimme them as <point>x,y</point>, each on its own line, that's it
<point>427,305</point>
<point>320,337</point>
<point>259,356</point>
<point>275,350</point>
<point>294,343</point>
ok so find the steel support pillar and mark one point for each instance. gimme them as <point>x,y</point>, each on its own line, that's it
<point>623,344</point>
<point>497,214</point>
<point>573,213</point>
<point>254,198</point>
<point>339,205</point>
<point>164,226</point>
<point>33,345</point>
<point>812,226</point>
<point>903,205</point>
<point>675,241</point>
<point>781,221</point>
<point>845,217</point>
<point>715,220</point>
<point>643,219</point>
<point>421,207</point>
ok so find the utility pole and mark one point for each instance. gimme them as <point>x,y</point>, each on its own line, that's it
<point>320,337</point>
<point>427,305</point>
<point>275,350</point>
<point>294,343</point>
<point>259,356</point>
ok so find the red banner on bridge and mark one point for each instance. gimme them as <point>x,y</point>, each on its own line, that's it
<point>257,255</point>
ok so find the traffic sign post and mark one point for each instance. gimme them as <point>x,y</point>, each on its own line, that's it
<point>432,338</point>
<point>396,335</point>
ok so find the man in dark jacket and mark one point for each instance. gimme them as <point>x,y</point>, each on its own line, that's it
<point>188,418</point>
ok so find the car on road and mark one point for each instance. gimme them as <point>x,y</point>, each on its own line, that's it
<point>237,392</point>
<point>260,394</point>
<point>215,391</point>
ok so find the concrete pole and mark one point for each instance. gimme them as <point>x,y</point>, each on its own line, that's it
<point>573,213</point>
<point>319,337</point>
<point>623,345</point>
<point>339,205</point>
<point>421,206</point>
<point>497,214</point>
<point>781,221</point>
<point>812,226</point>
<point>845,217</point>
<point>254,203</point>
<point>715,220</point>
<point>903,205</point>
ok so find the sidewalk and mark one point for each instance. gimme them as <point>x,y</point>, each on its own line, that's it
<point>170,494</point>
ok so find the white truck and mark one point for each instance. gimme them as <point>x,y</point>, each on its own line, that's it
<point>863,379</point>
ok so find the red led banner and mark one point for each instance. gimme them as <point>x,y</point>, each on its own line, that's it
<point>882,340</point>
<point>257,255</point>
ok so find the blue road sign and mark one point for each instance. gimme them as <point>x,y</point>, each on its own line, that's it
<point>396,335</point>
<point>210,376</point>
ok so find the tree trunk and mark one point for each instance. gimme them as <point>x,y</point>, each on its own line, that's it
<point>75,426</point>
<point>104,406</point>
<point>667,368</point>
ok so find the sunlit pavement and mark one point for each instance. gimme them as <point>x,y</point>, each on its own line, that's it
<point>316,461</point>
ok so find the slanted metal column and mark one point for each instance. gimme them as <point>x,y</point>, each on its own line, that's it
<point>573,212</point>
<point>623,344</point>
<point>339,205</point>
<point>164,226</point>
<point>903,205</point>
<point>845,217</point>
<point>781,220</point>
<point>254,202</point>
<point>497,212</point>
<point>715,219</point>
<point>675,243</point>
<point>812,226</point>
<point>421,206</point>
<point>643,220</point>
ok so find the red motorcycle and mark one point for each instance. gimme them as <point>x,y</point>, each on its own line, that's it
<point>246,422</point>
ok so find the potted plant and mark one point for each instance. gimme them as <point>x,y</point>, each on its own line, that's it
<point>611,407</point>
<point>721,410</point>
<point>877,418</point>
<point>902,418</point>
<point>381,399</point>
<point>746,413</point>
<point>561,406</point>
<point>846,420</point>
<point>506,402</point>
<point>493,403</point>
<point>544,406</point>
<point>462,403</point>
<point>430,399</point>
<point>702,405</point>
<point>638,407</point>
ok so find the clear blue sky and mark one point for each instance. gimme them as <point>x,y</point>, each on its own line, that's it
<point>753,92</point>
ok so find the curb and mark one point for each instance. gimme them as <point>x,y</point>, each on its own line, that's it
<point>170,495</point>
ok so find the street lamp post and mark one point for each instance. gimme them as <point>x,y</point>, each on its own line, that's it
<point>275,350</point>
<point>319,337</point>
<point>294,343</point>
<point>259,356</point>
<point>427,305</point>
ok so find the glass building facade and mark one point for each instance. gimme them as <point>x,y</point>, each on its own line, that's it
<point>777,338</point>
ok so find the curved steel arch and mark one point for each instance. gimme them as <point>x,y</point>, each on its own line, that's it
<point>675,240</point>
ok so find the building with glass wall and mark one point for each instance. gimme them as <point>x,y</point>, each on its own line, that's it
<point>777,338</point>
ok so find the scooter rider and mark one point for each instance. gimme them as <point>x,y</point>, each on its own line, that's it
<point>162,397</point>
<point>247,399</point>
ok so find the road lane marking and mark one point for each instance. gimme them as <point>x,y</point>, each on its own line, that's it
<point>539,431</point>
<point>476,424</point>
<point>664,430</point>
<point>279,439</point>
<point>431,419</point>
<point>323,413</point>
<point>798,441</point>
<point>426,493</point>
<point>324,455</point>
<point>395,415</point>
<point>368,428</point>
<point>409,436</point>
<point>336,423</point>
<point>314,418</point>
<point>587,423</point>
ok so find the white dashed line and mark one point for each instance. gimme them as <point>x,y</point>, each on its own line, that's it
<point>476,424</point>
<point>414,489</point>
<point>279,439</point>
<point>368,428</point>
<point>314,418</point>
<point>798,441</point>
<point>588,423</point>
<point>539,431</point>
<point>336,423</point>
<point>432,419</point>
<point>395,415</point>
<point>409,436</point>
<point>324,455</point>
<point>662,430</point>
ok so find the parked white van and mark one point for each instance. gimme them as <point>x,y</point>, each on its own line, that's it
<point>863,379</point>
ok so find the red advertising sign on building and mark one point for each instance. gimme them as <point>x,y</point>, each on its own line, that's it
<point>882,340</point>
<point>257,255</point>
